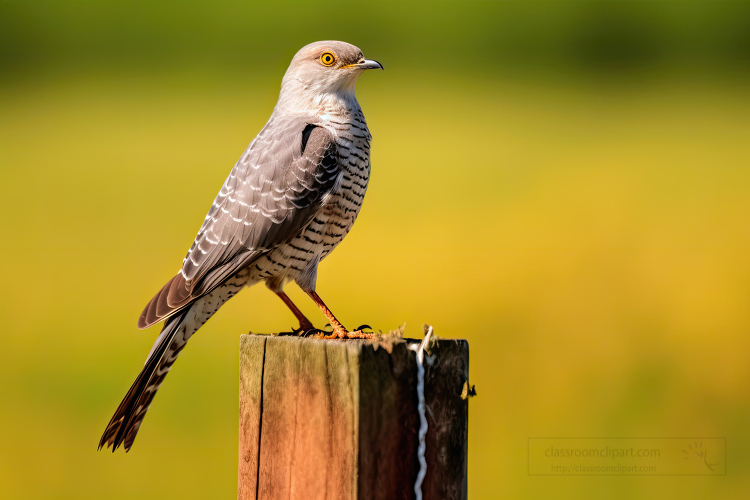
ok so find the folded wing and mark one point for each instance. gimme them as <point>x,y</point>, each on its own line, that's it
<point>274,191</point>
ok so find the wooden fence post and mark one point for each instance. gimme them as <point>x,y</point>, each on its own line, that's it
<point>338,419</point>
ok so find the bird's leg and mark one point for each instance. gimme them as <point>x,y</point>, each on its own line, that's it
<point>339,332</point>
<point>305,325</point>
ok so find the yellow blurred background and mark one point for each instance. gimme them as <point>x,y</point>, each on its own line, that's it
<point>564,184</point>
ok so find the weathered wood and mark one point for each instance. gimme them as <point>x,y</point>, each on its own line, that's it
<point>338,419</point>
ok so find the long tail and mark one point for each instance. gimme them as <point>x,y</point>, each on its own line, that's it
<point>126,421</point>
<point>177,330</point>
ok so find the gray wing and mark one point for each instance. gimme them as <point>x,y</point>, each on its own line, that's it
<point>276,188</point>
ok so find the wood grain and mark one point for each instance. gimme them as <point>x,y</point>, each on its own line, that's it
<point>338,419</point>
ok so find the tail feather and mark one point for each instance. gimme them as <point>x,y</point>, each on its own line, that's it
<point>177,330</point>
<point>124,425</point>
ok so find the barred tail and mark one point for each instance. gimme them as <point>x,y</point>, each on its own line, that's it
<point>126,421</point>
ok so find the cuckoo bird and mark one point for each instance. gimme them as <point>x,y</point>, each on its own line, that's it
<point>288,202</point>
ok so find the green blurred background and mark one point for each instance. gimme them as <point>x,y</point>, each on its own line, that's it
<point>565,184</point>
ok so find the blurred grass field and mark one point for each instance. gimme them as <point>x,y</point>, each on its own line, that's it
<point>569,195</point>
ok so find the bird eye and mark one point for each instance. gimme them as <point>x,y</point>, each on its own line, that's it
<point>327,59</point>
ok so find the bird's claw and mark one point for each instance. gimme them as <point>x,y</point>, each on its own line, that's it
<point>343,333</point>
<point>313,333</point>
<point>331,333</point>
<point>302,331</point>
<point>358,334</point>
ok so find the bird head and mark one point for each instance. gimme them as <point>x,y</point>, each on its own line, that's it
<point>324,71</point>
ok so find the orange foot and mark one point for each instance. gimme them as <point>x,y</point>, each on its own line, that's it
<point>343,333</point>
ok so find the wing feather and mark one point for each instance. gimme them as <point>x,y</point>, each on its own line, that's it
<point>275,189</point>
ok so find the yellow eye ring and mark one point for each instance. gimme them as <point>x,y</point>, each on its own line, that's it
<point>327,59</point>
